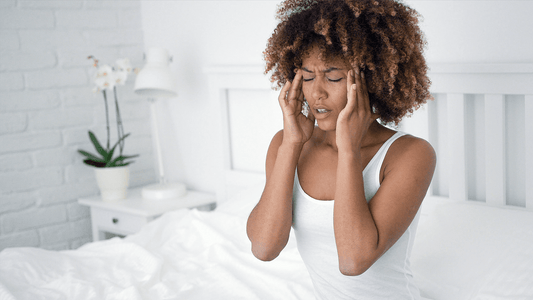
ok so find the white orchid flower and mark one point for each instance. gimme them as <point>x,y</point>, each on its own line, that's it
<point>120,77</point>
<point>124,65</point>
<point>104,78</point>
<point>123,68</point>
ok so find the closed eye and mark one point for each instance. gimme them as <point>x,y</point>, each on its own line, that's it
<point>329,79</point>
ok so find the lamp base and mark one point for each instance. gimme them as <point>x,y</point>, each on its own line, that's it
<point>164,191</point>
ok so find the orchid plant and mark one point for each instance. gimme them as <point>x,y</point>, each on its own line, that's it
<point>106,80</point>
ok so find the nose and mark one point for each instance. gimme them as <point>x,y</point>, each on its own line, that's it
<point>318,92</point>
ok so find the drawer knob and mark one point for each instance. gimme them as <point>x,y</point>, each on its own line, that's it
<point>115,220</point>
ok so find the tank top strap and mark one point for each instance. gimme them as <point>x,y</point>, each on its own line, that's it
<point>379,157</point>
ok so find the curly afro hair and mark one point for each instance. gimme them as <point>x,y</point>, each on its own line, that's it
<point>380,37</point>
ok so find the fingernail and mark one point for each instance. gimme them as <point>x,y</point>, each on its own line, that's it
<point>354,87</point>
<point>357,71</point>
<point>362,74</point>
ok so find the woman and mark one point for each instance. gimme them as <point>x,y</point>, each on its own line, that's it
<point>350,186</point>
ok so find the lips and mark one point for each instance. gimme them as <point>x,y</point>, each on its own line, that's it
<point>320,112</point>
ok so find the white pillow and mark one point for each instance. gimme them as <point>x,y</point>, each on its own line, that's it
<point>242,202</point>
<point>467,250</point>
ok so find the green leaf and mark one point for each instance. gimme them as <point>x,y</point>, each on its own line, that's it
<point>94,163</point>
<point>120,160</point>
<point>120,140</point>
<point>91,156</point>
<point>121,164</point>
<point>106,160</point>
<point>110,154</point>
<point>109,161</point>
<point>109,157</point>
<point>97,145</point>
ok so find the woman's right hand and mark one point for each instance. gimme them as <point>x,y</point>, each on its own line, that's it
<point>297,128</point>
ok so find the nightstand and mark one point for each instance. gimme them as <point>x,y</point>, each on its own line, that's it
<point>129,215</point>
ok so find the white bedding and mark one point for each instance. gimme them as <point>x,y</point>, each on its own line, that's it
<point>182,255</point>
<point>469,250</point>
<point>462,251</point>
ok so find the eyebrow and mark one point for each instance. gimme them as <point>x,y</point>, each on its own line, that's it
<point>325,71</point>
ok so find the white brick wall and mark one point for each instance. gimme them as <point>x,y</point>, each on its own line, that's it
<point>46,108</point>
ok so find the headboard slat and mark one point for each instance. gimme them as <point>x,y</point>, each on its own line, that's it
<point>457,148</point>
<point>529,149</point>
<point>495,149</point>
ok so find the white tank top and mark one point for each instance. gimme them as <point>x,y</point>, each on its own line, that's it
<point>388,278</point>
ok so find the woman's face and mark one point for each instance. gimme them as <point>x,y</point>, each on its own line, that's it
<point>324,88</point>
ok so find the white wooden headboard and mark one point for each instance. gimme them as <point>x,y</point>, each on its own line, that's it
<point>481,125</point>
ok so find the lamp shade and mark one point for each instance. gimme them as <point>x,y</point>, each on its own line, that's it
<point>156,79</point>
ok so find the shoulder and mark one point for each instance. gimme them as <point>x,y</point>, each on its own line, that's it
<point>276,141</point>
<point>410,153</point>
<point>411,144</point>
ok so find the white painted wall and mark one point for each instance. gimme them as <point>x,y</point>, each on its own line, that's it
<point>477,31</point>
<point>200,34</point>
<point>205,33</point>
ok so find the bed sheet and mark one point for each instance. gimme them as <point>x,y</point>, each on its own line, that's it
<point>466,250</point>
<point>463,251</point>
<point>186,254</point>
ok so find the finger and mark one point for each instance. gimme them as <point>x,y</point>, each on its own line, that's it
<point>300,100</point>
<point>282,98</point>
<point>296,88</point>
<point>351,86</point>
<point>363,81</point>
<point>365,92</point>
<point>301,96</point>
<point>311,117</point>
<point>351,79</point>
<point>361,96</point>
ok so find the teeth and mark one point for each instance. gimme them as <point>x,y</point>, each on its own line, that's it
<point>321,110</point>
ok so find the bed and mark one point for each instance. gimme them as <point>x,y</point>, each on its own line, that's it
<point>474,239</point>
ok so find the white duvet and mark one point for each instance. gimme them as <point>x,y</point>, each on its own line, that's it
<point>463,251</point>
<point>186,254</point>
<point>472,251</point>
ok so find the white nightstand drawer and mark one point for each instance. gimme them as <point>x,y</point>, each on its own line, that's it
<point>115,221</point>
<point>131,214</point>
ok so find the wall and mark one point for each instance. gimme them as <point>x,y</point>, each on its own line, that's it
<point>200,34</point>
<point>46,103</point>
<point>205,33</point>
<point>477,31</point>
<point>47,106</point>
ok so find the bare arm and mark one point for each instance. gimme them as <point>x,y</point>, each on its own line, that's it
<point>364,231</point>
<point>269,223</point>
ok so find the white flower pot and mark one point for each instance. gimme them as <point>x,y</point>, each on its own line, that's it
<point>113,182</point>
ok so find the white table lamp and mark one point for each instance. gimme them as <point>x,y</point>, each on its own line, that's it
<point>155,80</point>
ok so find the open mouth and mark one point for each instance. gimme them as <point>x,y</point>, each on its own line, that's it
<point>322,110</point>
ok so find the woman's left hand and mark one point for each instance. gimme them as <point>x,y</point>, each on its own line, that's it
<point>355,119</point>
